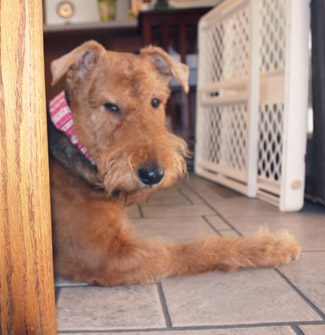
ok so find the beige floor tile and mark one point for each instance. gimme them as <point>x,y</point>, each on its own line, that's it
<point>308,274</point>
<point>177,211</point>
<point>229,233</point>
<point>167,197</point>
<point>210,190</point>
<point>173,229</point>
<point>133,212</point>
<point>308,228</point>
<point>243,207</point>
<point>189,194</point>
<point>313,330</point>
<point>217,222</point>
<point>244,297</point>
<point>235,331</point>
<point>95,308</point>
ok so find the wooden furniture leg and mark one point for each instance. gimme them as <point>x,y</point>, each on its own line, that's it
<point>26,275</point>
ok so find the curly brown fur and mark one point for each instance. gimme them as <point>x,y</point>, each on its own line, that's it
<point>93,240</point>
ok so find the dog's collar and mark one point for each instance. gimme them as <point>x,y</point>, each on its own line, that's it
<point>61,117</point>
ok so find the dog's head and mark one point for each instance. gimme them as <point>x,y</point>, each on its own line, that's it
<point>118,103</point>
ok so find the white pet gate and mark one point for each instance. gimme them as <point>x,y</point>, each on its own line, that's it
<point>252,98</point>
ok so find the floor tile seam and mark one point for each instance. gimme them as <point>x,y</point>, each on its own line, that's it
<point>164,306</point>
<point>206,188</point>
<point>174,216</point>
<point>269,215</point>
<point>218,231</point>
<point>196,216</point>
<point>211,225</point>
<point>255,216</point>
<point>214,210</point>
<point>198,327</point>
<point>281,214</point>
<point>182,193</point>
<point>307,300</point>
<point>297,330</point>
<point>109,331</point>
<point>146,206</point>
<point>141,211</point>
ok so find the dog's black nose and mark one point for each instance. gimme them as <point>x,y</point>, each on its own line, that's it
<point>151,174</point>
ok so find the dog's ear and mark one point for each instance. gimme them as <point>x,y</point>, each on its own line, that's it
<point>167,65</point>
<point>83,58</point>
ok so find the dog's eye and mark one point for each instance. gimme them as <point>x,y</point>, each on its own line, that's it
<point>112,107</point>
<point>155,103</point>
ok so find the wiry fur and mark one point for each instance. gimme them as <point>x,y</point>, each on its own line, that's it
<point>93,240</point>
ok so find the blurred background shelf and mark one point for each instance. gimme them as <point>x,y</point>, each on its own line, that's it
<point>90,26</point>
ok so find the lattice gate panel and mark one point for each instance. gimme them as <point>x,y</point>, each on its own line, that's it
<point>252,98</point>
<point>272,54</point>
<point>283,28</point>
<point>223,146</point>
<point>270,142</point>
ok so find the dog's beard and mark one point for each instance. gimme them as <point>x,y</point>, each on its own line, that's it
<point>127,195</point>
<point>122,183</point>
<point>118,171</point>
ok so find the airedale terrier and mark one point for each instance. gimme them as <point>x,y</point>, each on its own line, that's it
<point>113,113</point>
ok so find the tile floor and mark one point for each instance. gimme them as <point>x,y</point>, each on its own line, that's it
<point>285,301</point>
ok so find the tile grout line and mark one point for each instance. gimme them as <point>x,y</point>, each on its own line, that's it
<point>141,211</point>
<point>109,331</point>
<point>211,225</point>
<point>293,325</point>
<point>213,209</point>
<point>185,196</point>
<point>156,205</point>
<point>174,216</point>
<point>301,294</point>
<point>297,330</point>
<point>164,306</point>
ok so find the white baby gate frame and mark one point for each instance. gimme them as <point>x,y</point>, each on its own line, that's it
<point>252,98</point>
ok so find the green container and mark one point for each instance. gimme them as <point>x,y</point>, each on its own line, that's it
<point>107,9</point>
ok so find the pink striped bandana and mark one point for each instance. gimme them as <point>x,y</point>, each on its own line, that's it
<point>61,117</point>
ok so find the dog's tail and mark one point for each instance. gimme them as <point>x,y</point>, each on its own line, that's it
<point>230,253</point>
<point>147,261</point>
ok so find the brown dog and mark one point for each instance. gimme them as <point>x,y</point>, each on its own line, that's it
<point>117,102</point>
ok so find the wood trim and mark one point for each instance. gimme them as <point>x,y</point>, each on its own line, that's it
<point>26,268</point>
